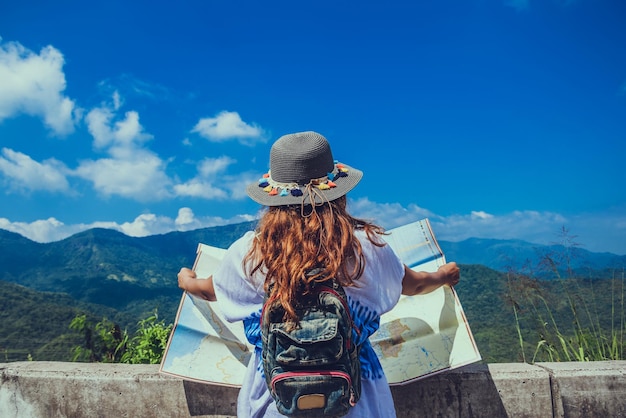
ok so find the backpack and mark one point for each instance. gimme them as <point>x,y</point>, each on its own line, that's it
<point>312,368</point>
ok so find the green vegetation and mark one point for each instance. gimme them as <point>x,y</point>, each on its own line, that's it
<point>567,318</point>
<point>513,318</point>
<point>107,286</point>
<point>105,341</point>
<point>149,342</point>
<point>36,324</point>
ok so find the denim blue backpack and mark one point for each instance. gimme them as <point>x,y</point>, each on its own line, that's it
<point>312,368</point>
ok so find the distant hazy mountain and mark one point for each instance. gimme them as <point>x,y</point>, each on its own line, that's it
<point>503,255</point>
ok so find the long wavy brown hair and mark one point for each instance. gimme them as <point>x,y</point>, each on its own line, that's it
<point>293,240</point>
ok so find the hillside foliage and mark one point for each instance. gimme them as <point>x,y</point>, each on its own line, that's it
<point>104,277</point>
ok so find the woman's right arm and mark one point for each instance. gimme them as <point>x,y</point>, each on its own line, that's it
<point>203,288</point>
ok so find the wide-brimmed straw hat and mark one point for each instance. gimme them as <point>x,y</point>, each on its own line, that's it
<point>302,171</point>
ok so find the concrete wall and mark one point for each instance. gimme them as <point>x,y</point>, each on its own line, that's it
<point>81,390</point>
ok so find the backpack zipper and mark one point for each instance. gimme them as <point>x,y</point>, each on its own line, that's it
<point>290,375</point>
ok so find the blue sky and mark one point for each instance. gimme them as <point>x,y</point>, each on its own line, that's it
<point>493,118</point>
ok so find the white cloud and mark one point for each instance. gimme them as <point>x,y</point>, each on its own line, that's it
<point>209,167</point>
<point>33,84</point>
<point>132,171</point>
<point>237,185</point>
<point>532,226</point>
<point>146,224</point>
<point>204,185</point>
<point>142,226</point>
<point>117,100</point>
<point>481,215</point>
<point>185,217</point>
<point>200,188</point>
<point>135,88</point>
<point>212,182</point>
<point>188,221</point>
<point>25,174</point>
<point>98,121</point>
<point>226,126</point>
<point>388,215</point>
<point>44,230</point>
<point>120,137</point>
<point>602,231</point>
<point>140,176</point>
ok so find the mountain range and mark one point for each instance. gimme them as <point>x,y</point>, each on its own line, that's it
<point>135,260</point>
<point>107,273</point>
<point>503,255</point>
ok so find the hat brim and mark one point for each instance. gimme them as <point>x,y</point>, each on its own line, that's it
<point>343,186</point>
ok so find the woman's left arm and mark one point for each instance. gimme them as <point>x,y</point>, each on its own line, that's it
<point>203,288</point>
<point>421,282</point>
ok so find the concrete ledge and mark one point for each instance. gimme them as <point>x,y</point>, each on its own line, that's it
<point>87,390</point>
<point>57,389</point>
<point>596,389</point>
<point>495,390</point>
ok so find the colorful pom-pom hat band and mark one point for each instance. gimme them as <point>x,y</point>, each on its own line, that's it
<point>302,171</point>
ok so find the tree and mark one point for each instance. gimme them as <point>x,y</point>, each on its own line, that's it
<point>149,342</point>
<point>105,342</point>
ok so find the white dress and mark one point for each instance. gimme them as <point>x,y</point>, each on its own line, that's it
<point>378,290</point>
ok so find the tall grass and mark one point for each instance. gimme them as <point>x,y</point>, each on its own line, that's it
<point>562,317</point>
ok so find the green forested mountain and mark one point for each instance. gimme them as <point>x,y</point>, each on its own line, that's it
<point>108,274</point>
<point>482,293</point>
<point>100,272</point>
<point>107,267</point>
<point>36,323</point>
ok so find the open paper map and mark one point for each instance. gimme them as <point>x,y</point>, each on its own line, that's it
<point>422,335</point>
